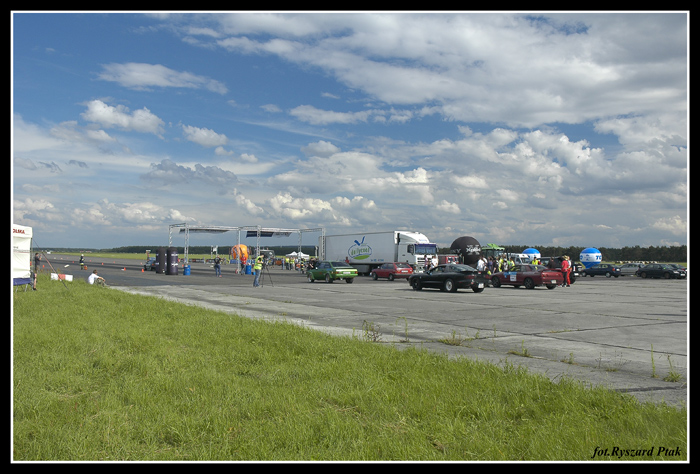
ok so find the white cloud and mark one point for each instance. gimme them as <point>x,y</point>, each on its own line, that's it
<point>120,117</point>
<point>204,136</point>
<point>143,76</point>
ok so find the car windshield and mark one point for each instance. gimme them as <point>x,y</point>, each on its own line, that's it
<point>460,268</point>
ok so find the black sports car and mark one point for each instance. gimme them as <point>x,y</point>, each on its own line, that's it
<point>449,277</point>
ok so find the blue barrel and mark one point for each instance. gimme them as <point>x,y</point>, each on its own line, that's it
<point>186,270</point>
<point>248,269</point>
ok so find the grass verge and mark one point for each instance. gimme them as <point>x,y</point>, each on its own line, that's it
<point>100,374</point>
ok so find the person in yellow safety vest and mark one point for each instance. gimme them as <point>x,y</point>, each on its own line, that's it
<point>258,270</point>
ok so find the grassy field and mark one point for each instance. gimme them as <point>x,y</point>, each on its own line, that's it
<point>99,374</point>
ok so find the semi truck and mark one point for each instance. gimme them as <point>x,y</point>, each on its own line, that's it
<point>369,250</point>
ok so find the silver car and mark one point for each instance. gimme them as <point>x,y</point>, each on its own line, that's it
<point>630,269</point>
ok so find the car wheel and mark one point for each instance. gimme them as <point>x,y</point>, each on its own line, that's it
<point>496,282</point>
<point>449,285</point>
<point>416,284</point>
<point>374,276</point>
<point>477,289</point>
<point>643,274</point>
<point>608,275</point>
<point>391,277</point>
<point>349,280</point>
<point>551,287</point>
<point>667,275</point>
<point>328,278</point>
<point>529,283</point>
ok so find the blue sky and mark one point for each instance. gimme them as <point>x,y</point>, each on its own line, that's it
<point>531,128</point>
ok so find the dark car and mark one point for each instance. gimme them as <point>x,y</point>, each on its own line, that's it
<point>449,277</point>
<point>392,270</point>
<point>150,264</point>
<point>661,270</point>
<point>607,269</point>
<point>529,276</point>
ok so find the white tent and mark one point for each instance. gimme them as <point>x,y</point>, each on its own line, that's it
<point>298,255</point>
<point>21,255</point>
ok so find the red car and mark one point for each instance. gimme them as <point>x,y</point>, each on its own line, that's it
<point>392,270</point>
<point>528,276</point>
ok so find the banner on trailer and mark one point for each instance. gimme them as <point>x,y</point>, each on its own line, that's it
<point>21,254</point>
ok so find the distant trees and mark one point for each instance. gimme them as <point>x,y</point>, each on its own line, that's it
<point>624,254</point>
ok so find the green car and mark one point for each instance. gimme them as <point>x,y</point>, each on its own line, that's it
<point>331,271</point>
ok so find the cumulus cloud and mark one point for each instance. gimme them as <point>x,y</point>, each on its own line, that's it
<point>320,148</point>
<point>204,136</point>
<point>121,117</point>
<point>169,173</point>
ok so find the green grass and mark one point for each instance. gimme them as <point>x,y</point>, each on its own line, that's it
<point>104,375</point>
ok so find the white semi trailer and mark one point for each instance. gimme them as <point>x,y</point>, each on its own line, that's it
<point>369,250</point>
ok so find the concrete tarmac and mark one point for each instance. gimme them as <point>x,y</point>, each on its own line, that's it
<point>626,333</point>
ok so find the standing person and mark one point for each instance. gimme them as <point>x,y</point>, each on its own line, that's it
<point>37,262</point>
<point>217,265</point>
<point>95,278</point>
<point>566,269</point>
<point>257,268</point>
<point>481,264</point>
<point>82,262</point>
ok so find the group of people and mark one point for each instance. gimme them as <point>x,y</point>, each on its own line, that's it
<point>492,265</point>
<point>503,264</point>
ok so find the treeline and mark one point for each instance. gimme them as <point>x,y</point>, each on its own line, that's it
<point>206,250</point>
<point>624,254</point>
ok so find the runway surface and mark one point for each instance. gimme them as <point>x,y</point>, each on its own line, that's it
<point>625,333</point>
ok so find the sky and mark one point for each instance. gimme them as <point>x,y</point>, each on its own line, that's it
<point>533,128</point>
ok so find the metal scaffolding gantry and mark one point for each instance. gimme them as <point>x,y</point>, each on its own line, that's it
<point>260,231</point>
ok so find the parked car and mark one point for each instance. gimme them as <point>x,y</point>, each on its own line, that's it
<point>529,276</point>
<point>628,269</point>
<point>554,263</point>
<point>661,270</point>
<point>331,271</point>
<point>449,277</point>
<point>392,270</point>
<point>150,264</point>
<point>607,269</point>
